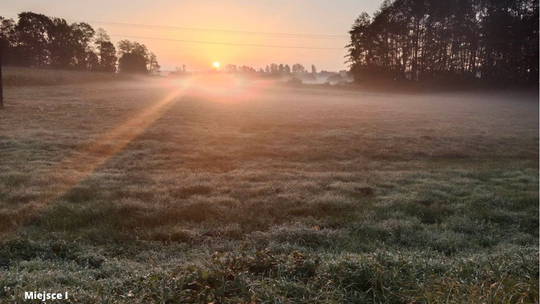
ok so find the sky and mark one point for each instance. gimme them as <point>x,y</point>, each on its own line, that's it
<point>313,17</point>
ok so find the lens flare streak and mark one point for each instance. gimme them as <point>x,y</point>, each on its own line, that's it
<point>95,154</point>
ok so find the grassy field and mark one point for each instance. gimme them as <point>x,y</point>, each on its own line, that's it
<point>152,193</point>
<point>18,76</point>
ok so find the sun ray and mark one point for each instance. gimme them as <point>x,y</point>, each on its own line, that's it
<point>95,154</point>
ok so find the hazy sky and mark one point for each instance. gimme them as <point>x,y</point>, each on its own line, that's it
<point>319,17</point>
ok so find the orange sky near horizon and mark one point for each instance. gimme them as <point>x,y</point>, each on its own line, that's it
<point>315,17</point>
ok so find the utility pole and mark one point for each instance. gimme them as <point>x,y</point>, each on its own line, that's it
<point>1,83</point>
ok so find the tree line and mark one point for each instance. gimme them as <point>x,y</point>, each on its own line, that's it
<point>296,68</point>
<point>39,41</point>
<point>272,68</point>
<point>493,41</point>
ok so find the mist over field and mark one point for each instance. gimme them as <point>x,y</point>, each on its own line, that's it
<point>258,152</point>
<point>227,190</point>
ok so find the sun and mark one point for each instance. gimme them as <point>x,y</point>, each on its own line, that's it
<point>216,64</point>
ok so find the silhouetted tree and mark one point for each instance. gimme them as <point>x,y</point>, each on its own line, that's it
<point>246,69</point>
<point>287,69</point>
<point>179,71</point>
<point>298,68</point>
<point>127,47</point>
<point>419,40</point>
<point>8,40</point>
<point>106,51</point>
<point>92,61</point>
<point>132,63</point>
<point>132,54</point>
<point>124,47</point>
<point>85,57</point>
<point>33,39</point>
<point>40,41</point>
<point>61,47</point>
<point>153,65</point>
<point>231,68</point>
<point>274,68</point>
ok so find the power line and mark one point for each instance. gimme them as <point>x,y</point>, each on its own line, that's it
<point>296,35</point>
<point>231,44</point>
<point>224,31</point>
<point>253,33</point>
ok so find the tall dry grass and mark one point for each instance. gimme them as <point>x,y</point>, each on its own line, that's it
<point>19,76</point>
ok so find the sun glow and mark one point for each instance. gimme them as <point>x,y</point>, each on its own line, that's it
<point>216,64</point>
<point>220,87</point>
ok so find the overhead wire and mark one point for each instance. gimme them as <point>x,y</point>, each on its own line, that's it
<point>235,32</point>
<point>230,43</point>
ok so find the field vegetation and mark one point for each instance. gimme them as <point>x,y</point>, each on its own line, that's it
<point>143,192</point>
<point>19,76</point>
